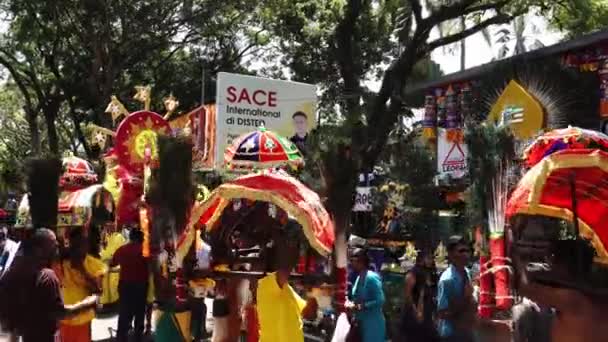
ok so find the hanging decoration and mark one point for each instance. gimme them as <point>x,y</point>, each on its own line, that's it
<point>116,109</point>
<point>592,59</point>
<point>588,59</point>
<point>466,102</point>
<point>429,123</point>
<point>143,95</point>
<point>99,135</point>
<point>453,118</point>
<point>171,104</point>
<point>441,114</point>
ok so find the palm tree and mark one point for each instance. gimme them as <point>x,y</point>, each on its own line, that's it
<point>450,27</point>
<point>513,38</point>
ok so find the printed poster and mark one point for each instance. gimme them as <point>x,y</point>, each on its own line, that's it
<point>245,103</point>
<point>451,156</point>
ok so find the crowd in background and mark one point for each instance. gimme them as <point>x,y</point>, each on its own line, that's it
<point>43,299</point>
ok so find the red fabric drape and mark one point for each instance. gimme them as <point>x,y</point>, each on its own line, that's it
<point>486,297</point>
<point>504,301</point>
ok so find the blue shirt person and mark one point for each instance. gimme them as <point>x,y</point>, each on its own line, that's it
<point>455,306</point>
<point>368,299</point>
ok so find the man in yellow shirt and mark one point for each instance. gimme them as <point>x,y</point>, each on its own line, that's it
<point>280,309</point>
<point>81,276</point>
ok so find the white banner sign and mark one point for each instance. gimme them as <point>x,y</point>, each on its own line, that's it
<point>451,156</point>
<point>245,103</point>
<point>363,199</point>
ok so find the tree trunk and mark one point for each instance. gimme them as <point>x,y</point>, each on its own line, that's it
<point>463,47</point>
<point>340,177</point>
<point>51,132</point>
<point>31,117</point>
<point>341,221</point>
<point>50,114</point>
<point>79,133</point>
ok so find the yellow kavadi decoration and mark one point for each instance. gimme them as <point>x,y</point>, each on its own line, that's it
<point>142,95</point>
<point>171,104</point>
<point>519,109</point>
<point>136,139</point>
<point>116,109</point>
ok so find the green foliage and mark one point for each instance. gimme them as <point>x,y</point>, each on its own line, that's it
<point>410,171</point>
<point>489,148</point>
<point>69,56</point>
<point>363,54</point>
<point>578,17</point>
<point>14,138</point>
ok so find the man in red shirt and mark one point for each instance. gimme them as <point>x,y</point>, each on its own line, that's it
<point>132,287</point>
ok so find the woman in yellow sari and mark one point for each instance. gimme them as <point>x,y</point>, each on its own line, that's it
<point>81,276</point>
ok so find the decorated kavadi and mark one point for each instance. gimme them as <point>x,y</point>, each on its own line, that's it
<point>262,149</point>
<point>561,139</point>
<point>80,197</point>
<point>544,191</point>
<point>282,190</point>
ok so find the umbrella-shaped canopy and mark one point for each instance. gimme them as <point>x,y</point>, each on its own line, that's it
<point>74,208</point>
<point>280,189</point>
<point>262,149</point>
<point>77,174</point>
<point>546,190</point>
<point>562,139</point>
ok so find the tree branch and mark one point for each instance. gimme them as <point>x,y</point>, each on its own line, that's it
<point>19,81</point>
<point>497,6</point>
<point>498,19</point>
<point>345,34</point>
<point>462,8</point>
<point>417,10</point>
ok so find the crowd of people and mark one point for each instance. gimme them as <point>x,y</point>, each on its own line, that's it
<point>48,292</point>
<point>59,298</point>
<point>43,298</point>
<point>437,307</point>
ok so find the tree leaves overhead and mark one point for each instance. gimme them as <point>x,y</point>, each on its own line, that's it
<point>79,52</point>
<point>578,17</point>
<point>363,54</point>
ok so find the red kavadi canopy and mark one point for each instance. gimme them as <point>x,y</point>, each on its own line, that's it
<point>546,190</point>
<point>564,139</point>
<point>280,189</point>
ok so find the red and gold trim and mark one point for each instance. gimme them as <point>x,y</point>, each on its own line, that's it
<point>534,195</point>
<point>221,197</point>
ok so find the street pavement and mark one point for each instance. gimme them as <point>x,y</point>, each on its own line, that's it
<point>104,325</point>
<point>104,328</point>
